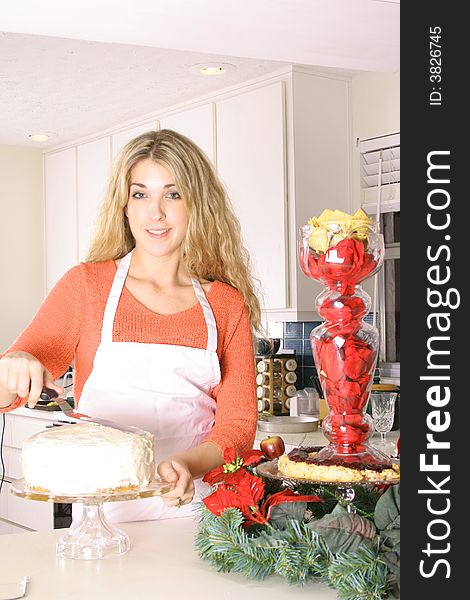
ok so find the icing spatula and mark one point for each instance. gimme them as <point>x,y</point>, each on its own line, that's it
<point>51,395</point>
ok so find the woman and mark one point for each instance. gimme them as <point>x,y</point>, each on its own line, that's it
<point>159,320</point>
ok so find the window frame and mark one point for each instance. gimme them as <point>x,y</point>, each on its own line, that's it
<point>388,201</point>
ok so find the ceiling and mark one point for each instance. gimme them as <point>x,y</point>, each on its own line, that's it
<point>73,68</point>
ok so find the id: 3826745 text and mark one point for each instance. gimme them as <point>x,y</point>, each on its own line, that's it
<point>435,66</point>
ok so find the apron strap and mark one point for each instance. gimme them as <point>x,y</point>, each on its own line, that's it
<point>113,298</point>
<point>208,316</point>
<point>115,294</point>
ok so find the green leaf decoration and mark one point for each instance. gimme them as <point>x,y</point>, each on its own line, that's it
<point>357,554</point>
<point>390,540</point>
<point>392,559</point>
<point>387,510</point>
<point>286,511</point>
<point>272,539</point>
<point>344,531</point>
<point>387,520</point>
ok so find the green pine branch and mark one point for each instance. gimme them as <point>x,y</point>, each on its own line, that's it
<point>298,554</point>
<point>223,542</point>
<point>362,575</point>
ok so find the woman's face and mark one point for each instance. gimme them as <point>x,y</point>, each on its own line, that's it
<point>157,214</point>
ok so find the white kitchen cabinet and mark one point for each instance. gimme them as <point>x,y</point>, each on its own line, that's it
<point>283,152</point>
<point>120,138</point>
<point>319,171</point>
<point>251,164</point>
<point>196,124</point>
<point>282,146</point>
<point>93,166</point>
<point>60,183</point>
<point>18,514</point>
<point>6,525</point>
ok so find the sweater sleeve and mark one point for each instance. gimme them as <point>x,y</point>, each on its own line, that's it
<point>53,333</point>
<point>236,409</point>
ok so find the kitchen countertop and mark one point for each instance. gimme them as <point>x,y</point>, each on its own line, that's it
<point>291,440</point>
<point>162,563</point>
<point>315,438</point>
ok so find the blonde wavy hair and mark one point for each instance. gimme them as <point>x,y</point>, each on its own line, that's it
<point>213,248</point>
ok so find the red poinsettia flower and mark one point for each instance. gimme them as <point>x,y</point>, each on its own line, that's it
<point>240,489</point>
<point>233,462</point>
<point>244,494</point>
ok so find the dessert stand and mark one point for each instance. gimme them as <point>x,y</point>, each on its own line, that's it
<point>344,489</point>
<point>92,536</point>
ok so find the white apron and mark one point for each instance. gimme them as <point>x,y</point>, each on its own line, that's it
<point>161,388</point>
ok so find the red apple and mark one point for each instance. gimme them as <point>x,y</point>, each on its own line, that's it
<point>272,446</point>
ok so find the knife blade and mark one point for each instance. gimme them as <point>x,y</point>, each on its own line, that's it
<point>51,395</point>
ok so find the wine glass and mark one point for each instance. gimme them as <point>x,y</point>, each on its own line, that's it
<point>383,413</point>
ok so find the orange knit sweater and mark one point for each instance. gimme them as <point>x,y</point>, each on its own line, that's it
<point>68,324</point>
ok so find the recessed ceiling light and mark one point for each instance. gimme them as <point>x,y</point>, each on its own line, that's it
<point>212,68</point>
<point>38,137</point>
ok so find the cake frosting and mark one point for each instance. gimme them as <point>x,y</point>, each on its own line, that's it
<point>300,464</point>
<point>87,458</point>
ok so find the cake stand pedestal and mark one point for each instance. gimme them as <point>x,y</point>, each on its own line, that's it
<point>92,536</point>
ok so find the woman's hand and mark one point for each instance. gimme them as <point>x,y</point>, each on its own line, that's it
<point>21,374</point>
<point>175,470</point>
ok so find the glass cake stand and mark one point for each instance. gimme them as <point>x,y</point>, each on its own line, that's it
<point>92,536</point>
<point>345,489</point>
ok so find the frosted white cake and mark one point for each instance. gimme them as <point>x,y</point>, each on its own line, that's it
<point>87,458</point>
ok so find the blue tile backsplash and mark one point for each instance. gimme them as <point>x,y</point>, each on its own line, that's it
<point>293,330</point>
<point>296,336</point>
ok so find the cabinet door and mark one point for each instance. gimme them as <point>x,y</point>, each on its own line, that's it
<point>196,124</point>
<point>3,500</point>
<point>60,214</point>
<point>93,160</point>
<point>120,139</point>
<point>6,527</point>
<point>251,163</point>
<point>32,514</point>
<point>22,513</point>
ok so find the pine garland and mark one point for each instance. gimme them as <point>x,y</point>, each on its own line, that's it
<point>303,534</point>
<point>296,553</point>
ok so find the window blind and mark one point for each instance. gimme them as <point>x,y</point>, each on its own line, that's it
<point>380,167</point>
